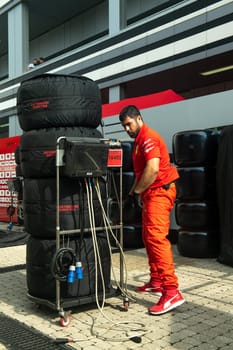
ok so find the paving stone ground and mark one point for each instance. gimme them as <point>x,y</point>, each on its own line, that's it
<point>203,322</point>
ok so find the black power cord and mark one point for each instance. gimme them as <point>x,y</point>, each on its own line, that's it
<point>135,339</point>
<point>61,262</point>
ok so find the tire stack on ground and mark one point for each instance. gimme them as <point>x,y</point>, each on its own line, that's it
<point>132,222</point>
<point>50,106</point>
<point>18,170</point>
<point>196,209</point>
<point>225,194</point>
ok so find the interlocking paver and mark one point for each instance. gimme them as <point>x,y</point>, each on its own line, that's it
<point>204,322</point>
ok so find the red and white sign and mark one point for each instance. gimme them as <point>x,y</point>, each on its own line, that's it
<point>7,172</point>
<point>115,158</point>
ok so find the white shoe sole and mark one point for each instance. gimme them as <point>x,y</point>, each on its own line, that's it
<point>175,305</point>
<point>159,294</point>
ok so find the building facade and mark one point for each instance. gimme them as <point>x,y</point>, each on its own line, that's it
<point>129,47</point>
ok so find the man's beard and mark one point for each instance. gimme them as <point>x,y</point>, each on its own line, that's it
<point>134,134</point>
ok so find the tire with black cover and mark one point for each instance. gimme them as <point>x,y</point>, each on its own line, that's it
<point>127,161</point>
<point>40,206</point>
<point>224,175</point>
<point>195,147</point>
<point>45,264</point>
<point>18,170</point>
<point>17,155</point>
<point>132,213</point>
<point>127,147</point>
<point>196,183</point>
<point>196,215</point>
<point>132,237</point>
<point>198,244</point>
<point>38,149</point>
<point>52,100</point>
<point>114,184</point>
<point>113,210</point>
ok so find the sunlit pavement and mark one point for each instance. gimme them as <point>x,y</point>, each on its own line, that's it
<point>204,321</point>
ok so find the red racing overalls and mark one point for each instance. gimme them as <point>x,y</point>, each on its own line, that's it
<point>157,205</point>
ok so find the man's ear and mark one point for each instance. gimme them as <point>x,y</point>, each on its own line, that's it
<point>139,118</point>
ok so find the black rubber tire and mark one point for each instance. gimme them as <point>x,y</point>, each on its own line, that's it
<point>51,100</point>
<point>132,237</point>
<point>41,275</point>
<point>195,148</point>
<point>38,149</point>
<point>127,147</point>
<point>198,244</point>
<point>196,183</point>
<point>196,215</point>
<point>132,214</point>
<point>17,155</point>
<point>40,206</point>
<point>18,171</point>
<point>224,175</point>
<point>114,184</point>
<point>113,210</point>
<point>173,236</point>
<point>127,161</point>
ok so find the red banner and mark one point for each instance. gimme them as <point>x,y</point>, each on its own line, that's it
<point>142,102</point>
<point>7,172</point>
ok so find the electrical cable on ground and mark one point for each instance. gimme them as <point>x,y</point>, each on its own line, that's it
<point>125,327</point>
<point>133,330</point>
<point>107,229</point>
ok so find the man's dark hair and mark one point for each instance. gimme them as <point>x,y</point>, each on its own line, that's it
<point>130,111</point>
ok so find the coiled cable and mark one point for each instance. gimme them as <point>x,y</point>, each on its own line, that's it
<point>61,261</point>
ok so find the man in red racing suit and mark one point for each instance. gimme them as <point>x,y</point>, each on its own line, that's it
<point>154,183</point>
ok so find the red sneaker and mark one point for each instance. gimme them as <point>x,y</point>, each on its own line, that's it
<point>166,303</point>
<point>149,288</point>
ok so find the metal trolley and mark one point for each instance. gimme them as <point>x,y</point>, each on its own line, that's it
<point>61,304</point>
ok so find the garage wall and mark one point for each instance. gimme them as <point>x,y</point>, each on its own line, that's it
<point>197,113</point>
<point>71,32</point>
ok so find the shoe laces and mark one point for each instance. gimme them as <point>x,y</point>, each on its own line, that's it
<point>165,296</point>
<point>162,299</point>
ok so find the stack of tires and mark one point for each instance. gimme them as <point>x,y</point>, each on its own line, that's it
<point>196,209</point>
<point>132,222</point>
<point>50,106</point>
<point>225,194</point>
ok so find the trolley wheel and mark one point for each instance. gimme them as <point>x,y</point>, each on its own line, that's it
<point>65,320</point>
<point>126,304</point>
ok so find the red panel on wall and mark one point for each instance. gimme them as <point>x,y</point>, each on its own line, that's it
<point>142,102</point>
<point>7,172</point>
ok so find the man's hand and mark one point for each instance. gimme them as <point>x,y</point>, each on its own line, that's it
<point>137,200</point>
<point>132,201</point>
<point>132,209</point>
<point>128,202</point>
